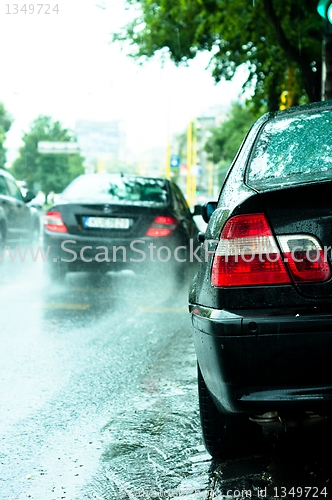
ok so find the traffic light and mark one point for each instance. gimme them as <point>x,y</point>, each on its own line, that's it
<point>324,9</point>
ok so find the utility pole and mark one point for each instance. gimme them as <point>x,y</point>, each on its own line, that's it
<point>194,162</point>
<point>189,161</point>
<point>324,9</point>
<point>168,159</point>
<point>327,64</point>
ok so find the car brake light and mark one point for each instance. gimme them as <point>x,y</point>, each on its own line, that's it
<point>305,258</point>
<point>162,226</point>
<point>247,254</point>
<point>53,222</point>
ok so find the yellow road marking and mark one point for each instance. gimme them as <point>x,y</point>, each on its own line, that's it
<point>55,305</point>
<point>162,309</point>
<point>94,290</point>
<point>83,307</point>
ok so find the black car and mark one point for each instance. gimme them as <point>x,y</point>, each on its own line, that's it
<point>261,302</point>
<point>104,222</point>
<point>19,223</point>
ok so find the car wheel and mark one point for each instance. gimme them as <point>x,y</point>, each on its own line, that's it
<point>177,269</point>
<point>2,238</point>
<point>225,436</point>
<point>56,271</point>
<point>35,233</point>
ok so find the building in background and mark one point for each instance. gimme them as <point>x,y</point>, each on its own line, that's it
<point>207,178</point>
<point>103,144</point>
<point>203,173</point>
<point>104,147</point>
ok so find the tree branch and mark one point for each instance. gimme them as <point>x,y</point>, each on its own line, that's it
<point>311,79</point>
<point>284,43</point>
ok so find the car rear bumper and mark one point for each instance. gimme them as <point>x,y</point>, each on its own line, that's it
<point>80,251</point>
<point>264,361</point>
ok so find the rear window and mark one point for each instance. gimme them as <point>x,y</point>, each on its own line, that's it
<point>292,150</point>
<point>117,189</point>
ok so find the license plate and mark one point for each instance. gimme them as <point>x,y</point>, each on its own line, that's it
<point>106,222</point>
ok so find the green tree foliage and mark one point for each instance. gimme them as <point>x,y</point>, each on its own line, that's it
<point>52,172</point>
<point>5,124</point>
<point>226,139</point>
<point>280,41</point>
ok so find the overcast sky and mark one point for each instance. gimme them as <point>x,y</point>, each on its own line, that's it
<point>64,65</point>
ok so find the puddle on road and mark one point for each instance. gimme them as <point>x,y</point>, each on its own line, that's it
<point>294,465</point>
<point>153,446</point>
<point>153,450</point>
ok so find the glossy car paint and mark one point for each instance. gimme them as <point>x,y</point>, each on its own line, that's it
<point>19,223</point>
<point>142,217</point>
<point>266,348</point>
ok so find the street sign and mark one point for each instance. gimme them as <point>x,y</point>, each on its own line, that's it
<point>65,147</point>
<point>175,161</point>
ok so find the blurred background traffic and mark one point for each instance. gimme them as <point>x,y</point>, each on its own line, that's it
<point>68,80</point>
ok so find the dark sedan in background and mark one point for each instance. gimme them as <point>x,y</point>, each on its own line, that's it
<point>105,222</point>
<point>19,222</point>
<point>261,302</point>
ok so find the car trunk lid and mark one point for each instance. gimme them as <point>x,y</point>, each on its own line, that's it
<point>299,214</point>
<point>110,220</point>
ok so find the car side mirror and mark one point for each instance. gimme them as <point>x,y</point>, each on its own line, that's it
<point>208,209</point>
<point>198,210</point>
<point>29,195</point>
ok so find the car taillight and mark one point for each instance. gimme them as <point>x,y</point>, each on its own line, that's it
<point>247,255</point>
<point>53,222</point>
<point>305,258</point>
<point>162,226</point>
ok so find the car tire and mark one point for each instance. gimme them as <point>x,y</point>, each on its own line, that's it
<point>2,238</point>
<point>225,436</point>
<point>35,233</point>
<point>178,272</point>
<point>56,272</point>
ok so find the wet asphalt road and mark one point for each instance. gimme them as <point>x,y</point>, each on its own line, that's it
<point>99,401</point>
